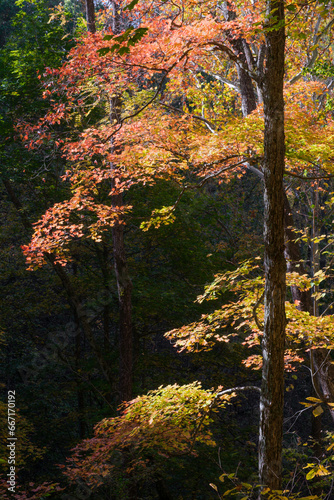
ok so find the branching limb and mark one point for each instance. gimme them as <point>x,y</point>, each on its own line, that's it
<point>172,108</point>
<point>258,324</point>
<point>235,389</point>
<point>215,174</point>
<point>223,80</point>
<point>309,178</point>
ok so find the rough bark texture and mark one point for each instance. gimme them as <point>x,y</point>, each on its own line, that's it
<point>271,89</point>
<point>241,49</point>
<point>272,395</point>
<point>90,16</point>
<point>322,368</point>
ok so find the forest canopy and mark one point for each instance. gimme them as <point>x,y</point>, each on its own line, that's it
<point>166,249</point>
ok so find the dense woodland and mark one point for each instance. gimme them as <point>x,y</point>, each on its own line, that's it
<point>167,205</point>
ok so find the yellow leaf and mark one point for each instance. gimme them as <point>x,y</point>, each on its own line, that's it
<point>322,471</point>
<point>317,411</point>
<point>310,474</point>
<point>315,400</point>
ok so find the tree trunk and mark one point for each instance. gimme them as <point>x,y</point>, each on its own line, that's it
<point>272,394</point>
<point>271,88</point>
<point>321,366</point>
<point>90,16</point>
<point>241,49</point>
<point>105,265</point>
<point>124,287</point>
<point>124,283</point>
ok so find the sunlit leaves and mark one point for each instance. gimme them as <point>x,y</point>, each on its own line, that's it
<point>244,315</point>
<point>164,423</point>
<point>316,470</point>
<point>162,216</point>
<point>67,222</point>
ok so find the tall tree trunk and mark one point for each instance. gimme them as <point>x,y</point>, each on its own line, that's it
<point>271,88</point>
<point>124,284</point>
<point>80,392</point>
<point>241,49</point>
<point>105,265</point>
<point>321,367</point>
<point>272,394</point>
<point>90,16</point>
<point>124,287</point>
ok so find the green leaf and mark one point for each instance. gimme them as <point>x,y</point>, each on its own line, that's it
<point>124,50</point>
<point>137,36</point>
<point>124,36</point>
<point>115,47</point>
<point>104,51</point>
<point>131,5</point>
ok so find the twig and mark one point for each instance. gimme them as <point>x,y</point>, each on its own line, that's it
<point>258,324</point>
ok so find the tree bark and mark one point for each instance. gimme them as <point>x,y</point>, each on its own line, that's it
<point>241,49</point>
<point>123,279</point>
<point>271,88</point>
<point>272,394</point>
<point>321,366</point>
<point>124,284</point>
<point>90,16</point>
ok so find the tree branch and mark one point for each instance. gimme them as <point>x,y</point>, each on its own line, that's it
<point>188,114</point>
<point>309,178</point>
<point>234,389</point>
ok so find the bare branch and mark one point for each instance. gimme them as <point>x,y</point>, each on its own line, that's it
<point>215,174</point>
<point>309,178</point>
<point>221,79</point>
<point>207,122</point>
<point>235,389</point>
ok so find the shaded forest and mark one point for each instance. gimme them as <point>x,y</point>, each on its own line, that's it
<point>166,209</point>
